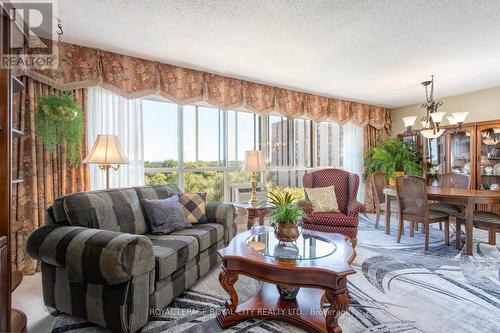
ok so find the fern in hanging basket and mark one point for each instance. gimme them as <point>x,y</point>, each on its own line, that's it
<point>59,120</point>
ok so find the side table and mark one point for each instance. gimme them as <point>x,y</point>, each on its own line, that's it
<point>254,212</point>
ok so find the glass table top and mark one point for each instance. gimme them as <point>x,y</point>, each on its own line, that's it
<point>306,247</point>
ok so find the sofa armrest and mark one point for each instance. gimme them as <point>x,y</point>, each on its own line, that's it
<point>223,213</point>
<point>306,206</point>
<point>355,207</point>
<point>92,255</point>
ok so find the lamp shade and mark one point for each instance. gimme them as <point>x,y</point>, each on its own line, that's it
<point>253,161</point>
<point>106,150</point>
<point>452,120</point>
<point>409,121</point>
<point>437,117</point>
<point>460,117</point>
<point>431,134</point>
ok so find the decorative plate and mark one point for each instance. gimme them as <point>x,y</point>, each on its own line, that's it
<point>496,169</point>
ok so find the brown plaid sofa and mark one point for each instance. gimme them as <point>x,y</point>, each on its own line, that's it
<point>99,263</point>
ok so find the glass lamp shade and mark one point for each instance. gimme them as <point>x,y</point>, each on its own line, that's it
<point>431,134</point>
<point>409,121</point>
<point>437,117</point>
<point>460,117</point>
<point>452,120</point>
<point>253,161</point>
<point>107,150</point>
<point>425,123</point>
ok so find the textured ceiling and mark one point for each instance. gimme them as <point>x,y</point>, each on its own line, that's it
<point>371,51</point>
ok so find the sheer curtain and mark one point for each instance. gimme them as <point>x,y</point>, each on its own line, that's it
<point>109,113</point>
<point>353,153</point>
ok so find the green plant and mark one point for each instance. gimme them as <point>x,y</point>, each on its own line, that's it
<point>59,120</point>
<point>285,211</point>
<point>393,155</point>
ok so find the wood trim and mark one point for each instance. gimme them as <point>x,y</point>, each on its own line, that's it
<point>5,176</point>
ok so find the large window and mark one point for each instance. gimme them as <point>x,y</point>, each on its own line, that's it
<point>203,148</point>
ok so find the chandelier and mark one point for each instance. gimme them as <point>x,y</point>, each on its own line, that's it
<point>433,118</point>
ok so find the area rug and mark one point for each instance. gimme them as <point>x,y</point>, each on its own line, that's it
<point>396,288</point>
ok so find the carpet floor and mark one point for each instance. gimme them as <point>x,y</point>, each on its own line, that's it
<point>396,288</point>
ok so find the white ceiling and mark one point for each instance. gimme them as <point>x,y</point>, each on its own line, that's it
<point>371,51</point>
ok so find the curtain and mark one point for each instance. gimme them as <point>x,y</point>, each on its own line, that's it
<point>132,77</point>
<point>370,137</point>
<point>109,113</point>
<point>46,175</point>
<point>353,153</point>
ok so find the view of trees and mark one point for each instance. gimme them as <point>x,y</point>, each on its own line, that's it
<point>211,182</point>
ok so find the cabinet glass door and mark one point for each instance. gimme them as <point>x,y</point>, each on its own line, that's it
<point>435,159</point>
<point>460,152</point>
<point>489,160</point>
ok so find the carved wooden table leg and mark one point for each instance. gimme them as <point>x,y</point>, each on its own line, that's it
<point>338,304</point>
<point>227,280</point>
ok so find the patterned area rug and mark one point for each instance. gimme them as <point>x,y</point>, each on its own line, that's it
<point>397,288</point>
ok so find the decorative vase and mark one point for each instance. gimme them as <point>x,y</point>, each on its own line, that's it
<point>392,181</point>
<point>286,232</point>
<point>288,292</point>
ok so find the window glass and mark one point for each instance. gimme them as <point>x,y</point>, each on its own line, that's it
<point>208,137</point>
<point>328,144</point>
<point>278,130</point>
<point>189,131</point>
<point>210,182</point>
<point>246,137</point>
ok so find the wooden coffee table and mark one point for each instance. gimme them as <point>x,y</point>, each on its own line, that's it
<point>298,278</point>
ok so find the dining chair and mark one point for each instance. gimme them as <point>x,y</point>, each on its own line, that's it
<point>412,198</point>
<point>379,182</point>
<point>452,180</point>
<point>483,220</point>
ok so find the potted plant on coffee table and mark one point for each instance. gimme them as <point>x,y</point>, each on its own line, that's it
<point>287,216</point>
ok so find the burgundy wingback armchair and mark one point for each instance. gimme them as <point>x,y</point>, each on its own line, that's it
<point>346,185</point>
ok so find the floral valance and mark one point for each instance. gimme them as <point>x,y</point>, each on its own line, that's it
<point>80,67</point>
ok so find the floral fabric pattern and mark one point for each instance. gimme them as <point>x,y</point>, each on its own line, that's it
<point>81,67</point>
<point>45,174</point>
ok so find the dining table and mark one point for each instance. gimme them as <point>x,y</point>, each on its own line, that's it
<point>469,198</point>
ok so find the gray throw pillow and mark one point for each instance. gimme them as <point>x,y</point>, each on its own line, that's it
<point>166,215</point>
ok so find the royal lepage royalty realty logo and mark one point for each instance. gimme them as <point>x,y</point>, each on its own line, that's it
<point>31,42</point>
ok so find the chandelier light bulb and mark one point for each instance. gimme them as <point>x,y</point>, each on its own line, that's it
<point>437,117</point>
<point>452,120</point>
<point>409,121</point>
<point>460,117</point>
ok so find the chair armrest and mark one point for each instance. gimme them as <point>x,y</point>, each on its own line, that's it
<point>306,206</point>
<point>92,255</point>
<point>223,213</point>
<point>355,207</point>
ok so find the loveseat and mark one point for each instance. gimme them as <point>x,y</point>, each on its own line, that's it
<point>100,262</point>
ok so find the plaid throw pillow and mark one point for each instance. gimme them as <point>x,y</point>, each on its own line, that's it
<point>194,207</point>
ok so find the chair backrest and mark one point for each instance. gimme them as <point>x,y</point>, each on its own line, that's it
<point>455,180</point>
<point>346,184</point>
<point>412,195</point>
<point>379,182</point>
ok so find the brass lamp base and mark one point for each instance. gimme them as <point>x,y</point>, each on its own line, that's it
<point>253,199</point>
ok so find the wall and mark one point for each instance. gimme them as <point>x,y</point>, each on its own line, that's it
<point>481,105</point>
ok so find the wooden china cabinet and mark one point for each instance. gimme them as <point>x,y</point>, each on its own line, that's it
<point>473,150</point>
<point>11,320</point>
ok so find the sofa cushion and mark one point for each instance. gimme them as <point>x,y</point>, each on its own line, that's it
<point>172,252</point>
<point>333,219</point>
<point>113,210</point>
<point>153,192</point>
<point>165,215</point>
<point>207,234</point>
<point>194,207</point>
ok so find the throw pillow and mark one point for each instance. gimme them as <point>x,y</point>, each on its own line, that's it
<point>194,207</point>
<point>165,215</point>
<point>323,199</point>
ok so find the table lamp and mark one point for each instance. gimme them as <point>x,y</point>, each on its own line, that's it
<point>107,152</point>
<point>253,163</point>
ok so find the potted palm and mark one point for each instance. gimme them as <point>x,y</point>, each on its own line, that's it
<point>394,158</point>
<point>287,216</point>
